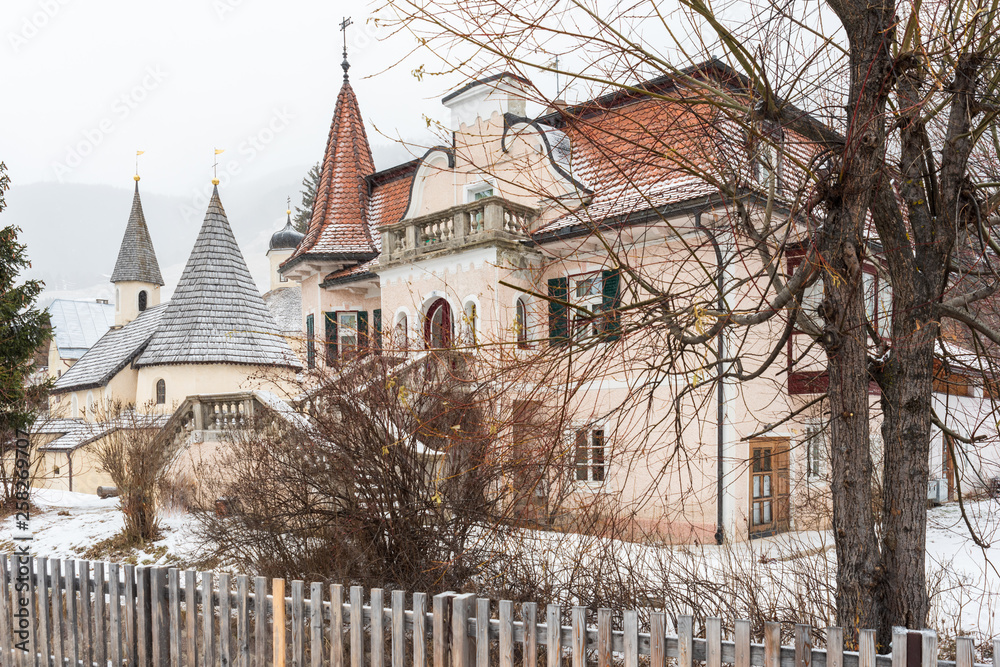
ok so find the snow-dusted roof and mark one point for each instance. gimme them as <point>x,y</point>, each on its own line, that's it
<point>111,353</point>
<point>77,325</point>
<point>285,304</point>
<point>216,314</point>
<point>75,433</point>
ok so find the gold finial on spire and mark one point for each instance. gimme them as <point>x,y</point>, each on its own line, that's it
<point>215,166</point>
<point>137,154</point>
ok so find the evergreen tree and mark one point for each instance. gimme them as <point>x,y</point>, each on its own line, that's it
<point>303,213</point>
<point>23,329</point>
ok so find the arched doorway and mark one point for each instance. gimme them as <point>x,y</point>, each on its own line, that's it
<point>437,325</point>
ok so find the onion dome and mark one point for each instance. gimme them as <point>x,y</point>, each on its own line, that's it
<point>286,237</point>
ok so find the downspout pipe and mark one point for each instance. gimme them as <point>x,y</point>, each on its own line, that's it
<point>720,286</point>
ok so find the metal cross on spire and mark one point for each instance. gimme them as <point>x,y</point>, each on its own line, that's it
<point>343,28</point>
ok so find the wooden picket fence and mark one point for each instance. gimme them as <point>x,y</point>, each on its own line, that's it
<point>99,614</point>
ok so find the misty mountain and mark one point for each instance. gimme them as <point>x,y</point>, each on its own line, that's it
<point>73,231</point>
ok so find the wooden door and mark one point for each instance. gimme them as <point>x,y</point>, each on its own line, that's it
<point>769,504</point>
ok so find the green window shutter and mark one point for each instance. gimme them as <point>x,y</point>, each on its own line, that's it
<point>310,342</point>
<point>558,319</point>
<point>363,342</point>
<point>612,301</point>
<point>377,326</point>
<point>331,337</point>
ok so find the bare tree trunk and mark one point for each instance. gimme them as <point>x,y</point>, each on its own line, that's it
<point>858,605</point>
<point>849,194</point>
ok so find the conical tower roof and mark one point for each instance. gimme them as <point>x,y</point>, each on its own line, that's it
<point>339,225</point>
<point>136,257</point>
<point>216,314</point>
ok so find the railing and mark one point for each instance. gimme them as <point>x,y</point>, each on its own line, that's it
<point>480,221</point>
<point>85,613</point>
<point>207,417</point>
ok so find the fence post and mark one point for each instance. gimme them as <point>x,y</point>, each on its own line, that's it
<point>713,642</point>
<point>579,620</point>
<point>866,648</point>
<point>772,645</point>
<point>57,615</point>
<point>174,598</point>
<point>441,626</point>
<point>685,641</point>
<point>461,646</point>
<point>553,632</point>
<point>483,632</point>
<point>86,614</point>
<point>398,631</point>
<point>316,624</point>
<point>928,650</point>
<point>964,646</point>
<point>377,625</point>
<point>657,640</point>
<point>507,633</point>
<point>834,647</point>
<point>357,627</point>
<point>160,628</point>
<point>741,641</point>
<point>420,630</point>
<point>630,625</point>
<point>130,626</point>
<point>143,617</point>
<point>603,637</point>
<point>278,621</point>
<point>42,594</point>
<point>803,645</point>
<point>100,615</point>
<point>208,619</point>
<point>336,625</point>
<point>73,647</point>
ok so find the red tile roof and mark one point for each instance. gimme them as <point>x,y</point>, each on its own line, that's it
<point>339,224</point>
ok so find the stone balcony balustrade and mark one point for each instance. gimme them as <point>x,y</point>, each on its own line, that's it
<point>484,221</point>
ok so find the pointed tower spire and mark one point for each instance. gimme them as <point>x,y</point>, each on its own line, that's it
<point>136,275</point>
<point>216,314</point>
<point>338,229</point>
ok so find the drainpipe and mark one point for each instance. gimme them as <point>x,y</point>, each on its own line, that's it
<point>720,284</point>
<point>69,464</point>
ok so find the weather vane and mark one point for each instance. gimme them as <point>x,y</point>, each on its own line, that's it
<point>289,210</point>
<point>343,28</point>
<point>137,154</point>
<point>215,166</point>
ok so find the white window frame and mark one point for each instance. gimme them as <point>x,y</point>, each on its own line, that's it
<point>589,477</point>
<point>817,454</point>
<point>592,301</point>
<point>345,332</point>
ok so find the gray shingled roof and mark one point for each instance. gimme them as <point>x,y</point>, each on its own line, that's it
<point>111,353</point>
<point>77,325</point>
<point>136,258</point>
<point>216,314</point>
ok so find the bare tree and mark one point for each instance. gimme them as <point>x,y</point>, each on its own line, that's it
<point>131,452</point>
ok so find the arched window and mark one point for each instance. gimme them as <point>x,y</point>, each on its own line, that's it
<point>142,300</point>
<point>161,392</point>
<point>437,325</point>
<point>118,300</point>
<point>400,334</point>
<point>90,404</point>
<point>521,323</point>
<point>74,407</point>
<point>470,323</point>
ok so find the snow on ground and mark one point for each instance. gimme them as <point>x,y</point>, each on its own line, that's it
<point>65,524</point>
<point>792,570</point>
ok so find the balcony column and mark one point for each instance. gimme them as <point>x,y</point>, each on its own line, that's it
<point>493,216</point>
<point>388,243</point>
<point>199,417</point>
<point>461,224</point>
<point>412,237</point>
